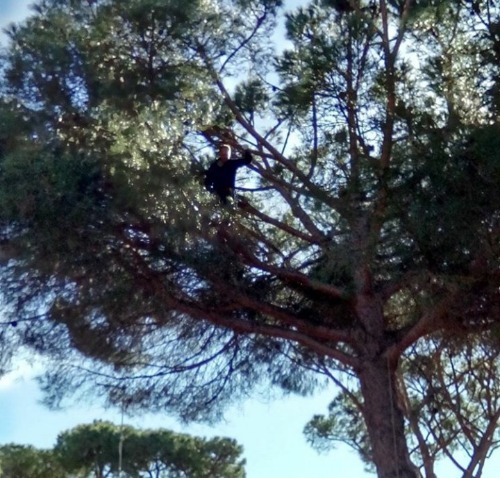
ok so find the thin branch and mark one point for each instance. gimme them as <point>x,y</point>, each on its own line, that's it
<point>314,158</point>
<point>424,449</point>
<point>282,226</point>
<point>359,405</point>
<point>258,24</point>
<point>481,450</point>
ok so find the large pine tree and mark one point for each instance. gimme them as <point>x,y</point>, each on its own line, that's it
<point>372,220</point>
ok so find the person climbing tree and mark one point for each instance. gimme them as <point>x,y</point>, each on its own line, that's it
<point>221,174</point>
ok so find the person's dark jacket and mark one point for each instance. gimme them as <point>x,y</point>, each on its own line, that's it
<point>220,177</point>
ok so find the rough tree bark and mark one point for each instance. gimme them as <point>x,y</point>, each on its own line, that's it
<point>384,420</point>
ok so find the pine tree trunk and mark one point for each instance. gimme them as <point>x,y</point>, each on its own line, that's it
<point>385,421</point>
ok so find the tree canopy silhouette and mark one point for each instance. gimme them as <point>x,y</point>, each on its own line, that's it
<point>372,222</point>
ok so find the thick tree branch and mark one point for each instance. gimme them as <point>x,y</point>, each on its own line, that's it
<point>288,276</point>
<point>431,321</point>
<point>242,326</point>
<point>302,330</point>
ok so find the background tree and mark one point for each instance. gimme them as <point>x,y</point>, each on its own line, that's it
<point>93,450</point>
<point>21,461</point>
<point>450,401</point>
<point>373,226</point>
<point>164,454</point>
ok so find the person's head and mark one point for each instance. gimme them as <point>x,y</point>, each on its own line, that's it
<point>224,152</point>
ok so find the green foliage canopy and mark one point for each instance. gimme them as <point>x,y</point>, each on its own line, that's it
<point>20,461</point>
<point>103,449</point>
<point>374,221</point>
<point>94,448</point>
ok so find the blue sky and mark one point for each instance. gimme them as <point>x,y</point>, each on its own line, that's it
<point>271,432</point>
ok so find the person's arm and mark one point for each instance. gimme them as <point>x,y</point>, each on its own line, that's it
<point>245,160</point>
<point>247,157</point>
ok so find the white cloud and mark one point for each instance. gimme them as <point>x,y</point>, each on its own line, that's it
<point>21,372</point>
